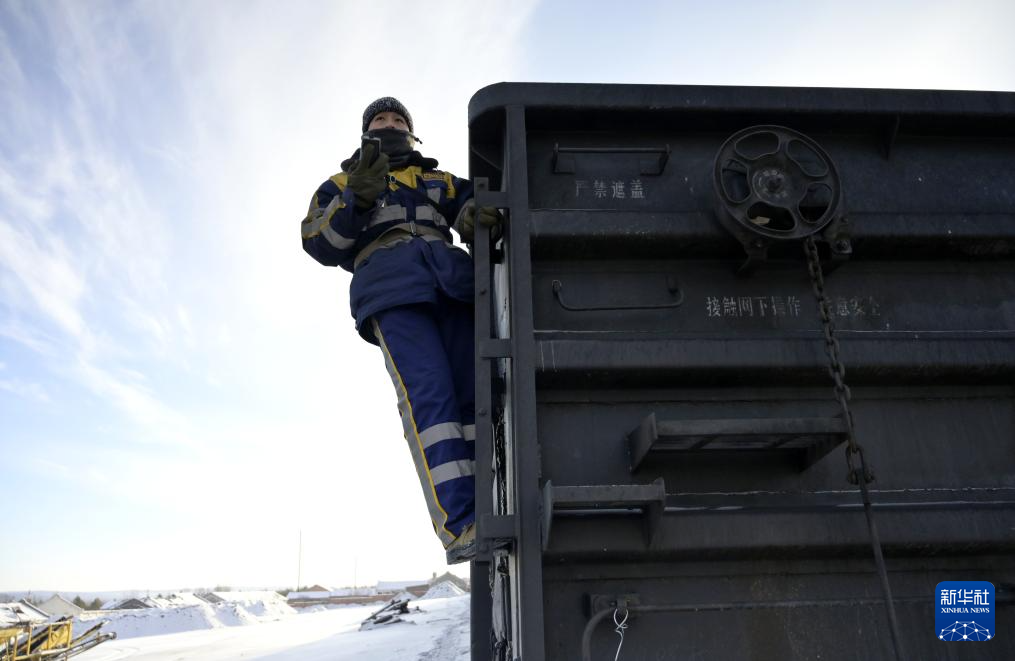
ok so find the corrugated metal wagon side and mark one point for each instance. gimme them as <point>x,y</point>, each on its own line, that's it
<point>745,371</point>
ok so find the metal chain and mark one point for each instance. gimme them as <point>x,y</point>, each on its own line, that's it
<point>863,475</point>
<point>835,367</point>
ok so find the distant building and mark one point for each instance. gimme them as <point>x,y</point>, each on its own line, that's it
<point>132,603</point>
<point>244,596</point>
<point>209,597</point>
<point>249,595</point>
<point>21,612</point>
<point>383,591</point>
<point>364,595</point>
<point>417,588</point>
<point>450,578</point>
<point>309,596</point>
<point>175,600</point>
<point>58,606</point>
<point>362,591</point>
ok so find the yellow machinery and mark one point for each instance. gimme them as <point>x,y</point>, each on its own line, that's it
<point>51,640</point>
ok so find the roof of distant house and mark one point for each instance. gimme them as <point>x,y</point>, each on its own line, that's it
<point>172,600</point>
<point>131,603</point>
<point>248,595</point>
<point>21,612</point>
<point>395,586</point>
<point>448,576</point>
<point>60,600</point>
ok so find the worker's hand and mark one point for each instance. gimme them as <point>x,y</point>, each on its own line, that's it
<point>487,216</point>
<point>368,180</point>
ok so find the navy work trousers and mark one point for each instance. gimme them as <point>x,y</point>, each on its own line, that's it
<point>428,350</point>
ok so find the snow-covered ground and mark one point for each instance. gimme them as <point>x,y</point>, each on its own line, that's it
<point>179,614</point>
<point>439,632</point>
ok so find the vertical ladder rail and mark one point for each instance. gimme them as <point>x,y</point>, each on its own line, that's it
<point>525,563</point>
<point>481,601</point>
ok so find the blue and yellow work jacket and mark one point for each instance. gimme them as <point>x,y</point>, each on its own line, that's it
<point>400,250</point>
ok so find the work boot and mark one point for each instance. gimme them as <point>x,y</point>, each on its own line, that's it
<point>463,548</point>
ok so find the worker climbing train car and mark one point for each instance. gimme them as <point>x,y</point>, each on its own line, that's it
<point>745,362</point>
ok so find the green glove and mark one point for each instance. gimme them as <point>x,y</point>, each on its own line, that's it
<point>486,216</point>
<point>368,181</point>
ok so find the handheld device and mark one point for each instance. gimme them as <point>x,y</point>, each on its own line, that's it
<point>376,142</point>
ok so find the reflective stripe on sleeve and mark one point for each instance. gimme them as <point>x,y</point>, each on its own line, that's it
<point>452,471</point>
<point>469,432</point>
<point>313,223</point>
<point>319,222</point>
<point>336,239</point>
<point>440,432</point>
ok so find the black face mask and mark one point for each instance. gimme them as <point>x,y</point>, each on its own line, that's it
<point>394,143</point>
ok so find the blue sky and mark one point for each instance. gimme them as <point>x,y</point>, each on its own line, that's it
<point>181,388</point>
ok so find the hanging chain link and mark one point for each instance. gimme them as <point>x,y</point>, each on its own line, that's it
<point>835,367</point>
<point>863,475</point>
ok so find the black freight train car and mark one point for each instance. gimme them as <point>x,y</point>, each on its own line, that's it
<point>745,364</point>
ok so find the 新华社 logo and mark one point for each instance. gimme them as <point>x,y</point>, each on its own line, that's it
<point>965,611</point>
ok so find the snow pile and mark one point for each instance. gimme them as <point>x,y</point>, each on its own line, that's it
<point>319,608</point>
<point>443,590</point>
<point>263,606</point>
<point>151,621</point>
<point>157,621</point>
<point>233,615</point>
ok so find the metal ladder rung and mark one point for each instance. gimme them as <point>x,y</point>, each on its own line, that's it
<point>649,498</point>
<point>801,440</point>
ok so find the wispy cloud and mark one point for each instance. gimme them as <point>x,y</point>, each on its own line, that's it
<point>46,277</point>
<point>34,391</point>
<point>130,393</point>
<point>83,248</point>
<point>27,336</point>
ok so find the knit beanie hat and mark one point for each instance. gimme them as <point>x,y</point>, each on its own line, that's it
<point>385,104</point>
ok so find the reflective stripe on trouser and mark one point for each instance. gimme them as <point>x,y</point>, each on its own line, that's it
<point>428,352</point>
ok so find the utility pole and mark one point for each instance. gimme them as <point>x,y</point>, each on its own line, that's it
<point>299,564</point>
